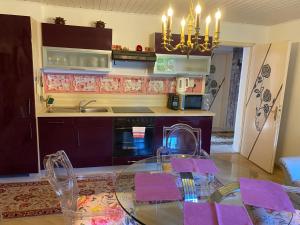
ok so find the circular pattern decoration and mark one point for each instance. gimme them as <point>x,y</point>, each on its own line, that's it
<point>212,68</point>
<point>267,95</point>
<point>213,84</point>
<point>266,70</point>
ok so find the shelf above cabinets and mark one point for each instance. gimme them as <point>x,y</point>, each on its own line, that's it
<point>64,60</point>
<point>134,56</point>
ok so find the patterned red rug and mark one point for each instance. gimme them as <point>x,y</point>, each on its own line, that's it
<point>37,198</point>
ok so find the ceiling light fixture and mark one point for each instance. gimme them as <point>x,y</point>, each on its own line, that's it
<point>195,42</point>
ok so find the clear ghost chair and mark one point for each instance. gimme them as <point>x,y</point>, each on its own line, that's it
<point>78,209</point>
<point>181,139</point>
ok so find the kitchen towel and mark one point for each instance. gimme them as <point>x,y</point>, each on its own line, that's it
<point>265,194</point>
<point>194,165</point>
<point>156,187</point>
<point>215,214</point>
<point>138,132</point>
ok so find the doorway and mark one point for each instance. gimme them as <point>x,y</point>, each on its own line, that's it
<point>222,93</point>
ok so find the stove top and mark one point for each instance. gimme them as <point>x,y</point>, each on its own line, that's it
<point>131,109</point>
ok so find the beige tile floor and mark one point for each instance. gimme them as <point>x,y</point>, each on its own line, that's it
<point>242,168</point>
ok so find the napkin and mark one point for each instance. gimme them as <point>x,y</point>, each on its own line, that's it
<point>215,214</point>
<point>265,194</point>
<point>194,165</point>
<point>156,187</point>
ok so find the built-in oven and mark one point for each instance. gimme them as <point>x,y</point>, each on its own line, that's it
<point>133,138</point>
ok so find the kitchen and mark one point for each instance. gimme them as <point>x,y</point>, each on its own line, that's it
<point>121,95</point>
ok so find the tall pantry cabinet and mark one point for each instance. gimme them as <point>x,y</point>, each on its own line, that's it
<point>18,142</point>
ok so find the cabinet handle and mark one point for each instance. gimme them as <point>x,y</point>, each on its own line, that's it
<point>29,107</point>
<point>78,138</point>
<point>56,122</point>
<point>31,132</point>
<point>131,161</point>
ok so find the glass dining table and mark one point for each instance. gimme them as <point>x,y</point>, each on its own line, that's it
<point>221,187</point>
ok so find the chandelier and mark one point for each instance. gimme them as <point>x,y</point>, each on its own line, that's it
<point>195,42</point>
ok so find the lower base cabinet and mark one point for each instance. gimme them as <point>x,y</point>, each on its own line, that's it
<point>86,140</point>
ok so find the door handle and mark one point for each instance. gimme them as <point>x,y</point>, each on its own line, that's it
<point>31,132</point>
<point>29,107</point>
<point>275,113</point>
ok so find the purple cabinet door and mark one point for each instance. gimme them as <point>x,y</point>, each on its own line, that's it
<point>67,36</point>
<point>17,117</point>
<point>205,123</point>
<point>94,141</point>
<point>56,134</point>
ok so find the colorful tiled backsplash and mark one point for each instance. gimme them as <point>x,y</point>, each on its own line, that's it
<point>112,84</point>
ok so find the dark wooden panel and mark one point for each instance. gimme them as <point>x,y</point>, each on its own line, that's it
<point>205,123</point>
<point>176,38</point>
<point>18,144</point>
<point>55,35</point>
<point>94,146</point>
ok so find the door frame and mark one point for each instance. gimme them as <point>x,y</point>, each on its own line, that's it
<point>244,80</point>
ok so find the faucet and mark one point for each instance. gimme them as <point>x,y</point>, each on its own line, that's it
<point>84,103</point>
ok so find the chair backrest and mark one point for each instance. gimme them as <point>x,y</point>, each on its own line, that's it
<point>182,139</point>
<point>60,174</point>
<point>291,169</point>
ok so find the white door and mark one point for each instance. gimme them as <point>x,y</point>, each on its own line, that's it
<point>267,78</point>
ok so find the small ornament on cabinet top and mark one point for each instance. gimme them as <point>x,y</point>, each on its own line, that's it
<point>59,20</point>
<point>100,24</point>
<point>139,48</point>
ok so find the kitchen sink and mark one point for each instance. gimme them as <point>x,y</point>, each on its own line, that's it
<point>94,110</point>
<point>63,110</point>
<point>76,110</point>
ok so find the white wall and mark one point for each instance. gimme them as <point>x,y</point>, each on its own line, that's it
<point>289,136</point>
<point>128,29</point>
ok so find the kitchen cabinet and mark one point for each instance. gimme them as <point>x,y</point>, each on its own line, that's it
<point>56,134</point>
<point>18,141</point>
<point>94,141</point>
<point>86,140</point>
<point>203,122</point>
<point>66,36</point>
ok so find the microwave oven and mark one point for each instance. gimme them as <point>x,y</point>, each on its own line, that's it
<point>189,101</point>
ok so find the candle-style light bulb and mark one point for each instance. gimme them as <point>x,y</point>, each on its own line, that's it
<point>198,11</point>
<point>164,20</point>
<point>217,27</point>
<point>206,37</point>
<point>170,12</point>
<point>182,37</point>
<point>169,20</point>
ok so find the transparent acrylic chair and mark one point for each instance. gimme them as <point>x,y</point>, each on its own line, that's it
<point>181,139</point>
<point>79,209</point>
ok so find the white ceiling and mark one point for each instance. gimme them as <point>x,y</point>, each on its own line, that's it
<point>261,12</point>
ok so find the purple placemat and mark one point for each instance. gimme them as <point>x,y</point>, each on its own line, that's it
<point>156,187</point>
<point>265,194</point>
<point>215,214</point>
<point>194,165</point>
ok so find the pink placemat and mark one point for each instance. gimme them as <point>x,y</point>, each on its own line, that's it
<point>265,194</point>
<point>215,214</point>
<point>156,187</point>
<point>194,165</point>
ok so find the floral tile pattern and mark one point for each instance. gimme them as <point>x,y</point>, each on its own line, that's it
<point>85,83</point>
<point>110,85</point>
<point>134,85</point>
<point>156,86</point>
<point>58,83</point>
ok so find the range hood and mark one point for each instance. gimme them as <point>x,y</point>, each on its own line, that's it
<point>134,56</point>
<point>181,65</point>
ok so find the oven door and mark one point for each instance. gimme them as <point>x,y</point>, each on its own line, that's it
<point>126,145</point>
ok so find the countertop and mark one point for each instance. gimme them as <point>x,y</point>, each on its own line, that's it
<point>158,111</point>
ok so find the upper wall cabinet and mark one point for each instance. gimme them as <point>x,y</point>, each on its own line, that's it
<point>88,61</point>
<point>80,49</point>
<point>156,40</point>
<point>180,65</point>
<point>67,36</point>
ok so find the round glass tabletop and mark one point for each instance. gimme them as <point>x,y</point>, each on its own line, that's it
<point>171,212</point>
